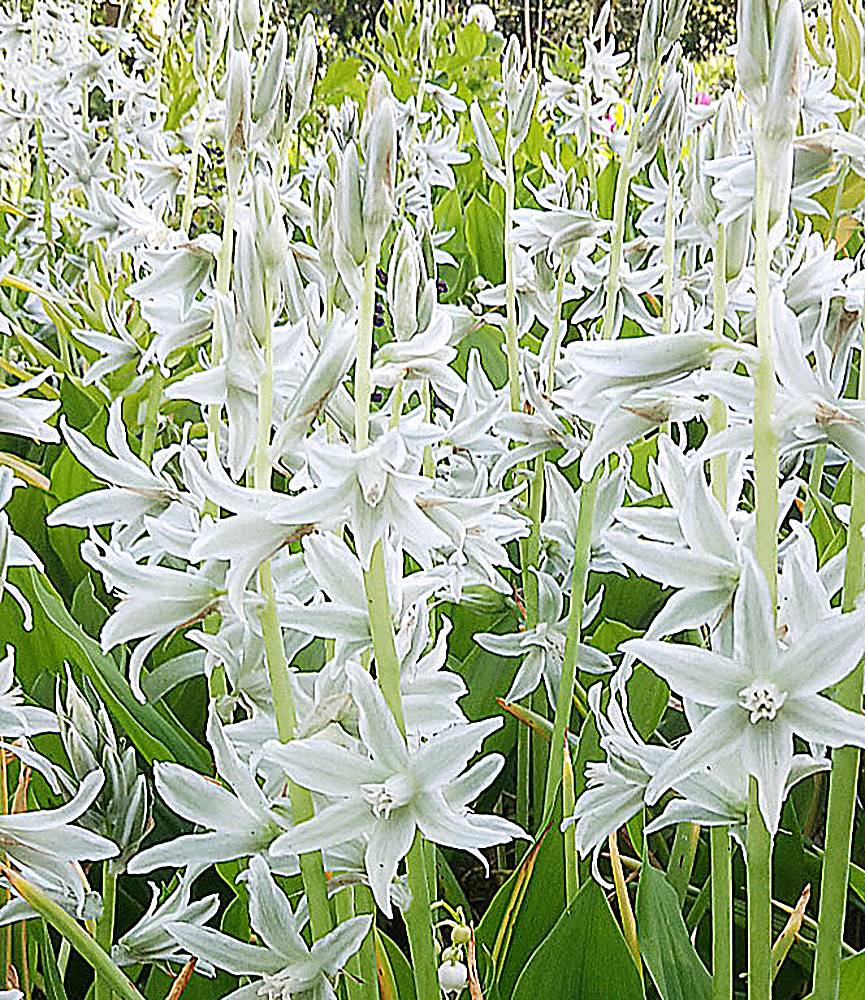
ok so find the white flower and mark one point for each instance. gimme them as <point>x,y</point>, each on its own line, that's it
<point>238,820</point>
<point>390,793</point>
<point>23,415</point>
<point>285,967</point>
<point>543,646</point>
<point>761,696</point>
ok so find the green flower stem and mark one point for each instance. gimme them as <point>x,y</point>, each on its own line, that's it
<point>511,337</point>
<point>105,926</point>
<point>572,868</point>
<point>151,415</point>
<point>765,440</point>
<point>362,388</point>
<point>759,884</point>
<point>669,254</point>
<point>759,843</point>
<point>720,844</point>
<point>192,179</point>
<point>86,946</point>
<point>418,918</point>
<point>620,205</point>
<point>311,865</point>
<point>567,684</point>
<point>722,907</point>
<point>845,769</point>
<point>223,282</point>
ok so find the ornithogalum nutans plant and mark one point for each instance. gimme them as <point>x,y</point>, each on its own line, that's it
<point>432,492</point>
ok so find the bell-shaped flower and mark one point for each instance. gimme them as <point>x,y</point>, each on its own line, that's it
<point>150,942</point>
<point>154,600</point>
<point>387,792</point>
<point>284,965</point>
<point>542,646</point>
<point>237,818</point>
<point>134,489</point>
<point>21,414</point>
<point>762,696</point>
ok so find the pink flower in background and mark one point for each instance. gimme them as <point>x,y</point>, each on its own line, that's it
<point>701,97</point>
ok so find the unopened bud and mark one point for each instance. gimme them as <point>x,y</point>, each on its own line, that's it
<point>349,215</point>
<point>379,180</point>
<point>304,69</point>
<point>270,80</point>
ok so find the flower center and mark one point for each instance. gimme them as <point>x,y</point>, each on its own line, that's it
<point>277,987</point>
<point>391,794</point>
<point>762,700</point>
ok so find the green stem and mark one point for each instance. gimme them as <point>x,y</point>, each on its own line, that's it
<point>765,440</point>
<point>105,926</point>
<point>418,919</point>
<point>620,205</point>
<point>511,338</point>
<point>720,843</point>
<point>572,869</point>
<point>86,946</point>
<point>669,258</point>
<point>759,853</point>
<point>845,769</point>
<point>759,901</point>
<point>579,581</point>
<point>364,354</point>
<point>311,865</point>
<point>722,910</point>
<point>223,282</point>
<point>682,858</point>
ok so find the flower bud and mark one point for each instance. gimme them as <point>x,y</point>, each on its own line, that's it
<point>726,132</point>
<point>268,88</point>
<point>402,284</point>
<point>487,146</point>
<point>660,28</point>
<point>248,19</point>
<point>271,239</point>
<point>379,179</point>
<point>513,61</point>
<point>752,49</point>
<point>199,55</point>
<point>304,69</point>
<point>237,114</point>
<point>522,118</point>
<point>453,977</point>
<point>349,217</point>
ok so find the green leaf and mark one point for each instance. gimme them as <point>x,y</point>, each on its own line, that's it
<point>154,733</point>
<point>584,956</point>
<point>484,238</point>
<point>542,903</point>
<point>397,965</point>
<point>852,979</point>
<point>665,945</point>
<point>54,988</point>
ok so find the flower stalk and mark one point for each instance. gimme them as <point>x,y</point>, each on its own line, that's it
<point>845,767</point>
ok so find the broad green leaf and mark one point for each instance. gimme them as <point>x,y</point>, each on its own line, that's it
<point>541,904</point>
<point>584,956</point>
<point>57,637</point>
<point>665,945</point>
<point>484,238</point>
